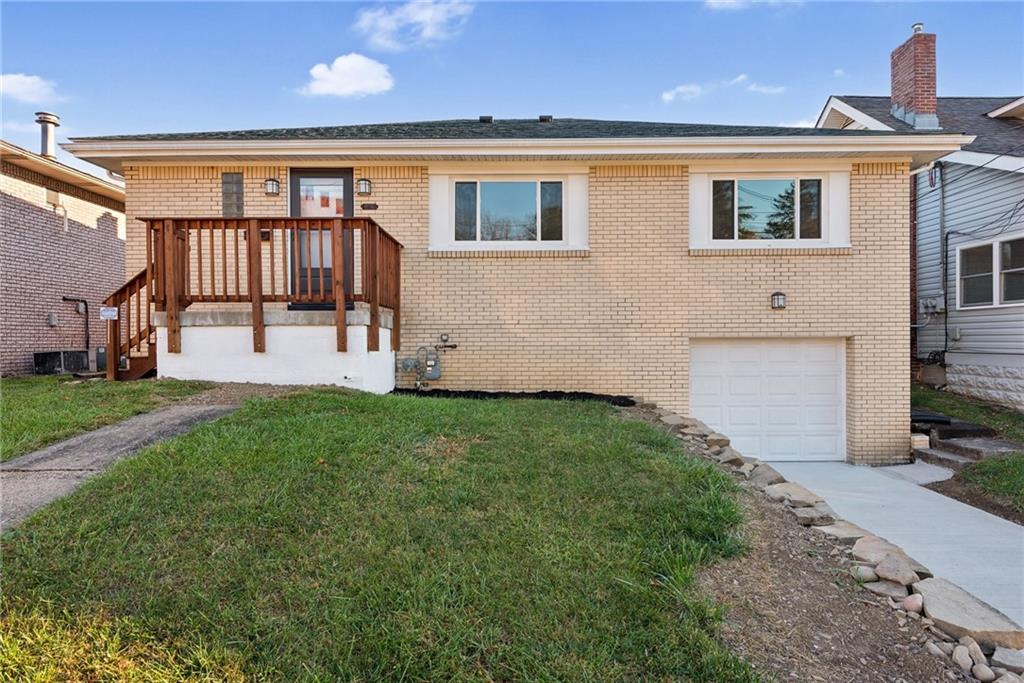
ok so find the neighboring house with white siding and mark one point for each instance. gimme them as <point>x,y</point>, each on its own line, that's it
<point>967,213</point>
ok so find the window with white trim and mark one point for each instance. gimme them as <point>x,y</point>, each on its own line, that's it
<point>507,211</point>
<point>769,209</point>
<point>511,211</point>
<point>766,209</point>
<point>991,274</point>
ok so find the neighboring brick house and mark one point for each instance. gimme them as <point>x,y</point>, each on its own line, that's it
<point>61,235</point>
<point>754,277</point>
<point>966,225</point>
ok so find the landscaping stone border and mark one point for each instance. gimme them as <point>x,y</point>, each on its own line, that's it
<point>972,636</point>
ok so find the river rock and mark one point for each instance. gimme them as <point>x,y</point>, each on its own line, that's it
<point>874,549</point>
<point>913,604</point>
<point>896,568</point>
<point>963,658</point>
<point>765,475</point>
<point>716,439</point>
<point>889,589</point>
<point>728,456</point>
<point>983,673</point>
<point>863,573</point>
<point>959,613</point>
<point>844,532</point>
<point>934,649</point>
<point>792,494</point>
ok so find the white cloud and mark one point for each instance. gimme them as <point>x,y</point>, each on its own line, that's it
<point>688,91</point>
<point>838,73</point>
<point>766,89</point>
<point>736,81</point>
<point>30,89</point>
<point>351,75</point>
<point>802,123</point>
<point>418,22</point>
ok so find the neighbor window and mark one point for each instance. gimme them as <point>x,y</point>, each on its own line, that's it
<point>508,211</point>
<point>992,274</point>
<point>1011,271</point>
<point>766,209</point>
<point>231,193</point>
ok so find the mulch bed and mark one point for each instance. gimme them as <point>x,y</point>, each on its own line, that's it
<point>977,497</point>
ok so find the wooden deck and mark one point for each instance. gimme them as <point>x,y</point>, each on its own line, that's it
<point>254,261</point>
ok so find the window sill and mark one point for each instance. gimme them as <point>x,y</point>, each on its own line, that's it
<point>509,253</point>
<point>772,251</point>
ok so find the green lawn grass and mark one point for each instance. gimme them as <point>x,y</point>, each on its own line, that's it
<point>36,411</point>
<point>1008,422</point>
<point>1001,477</point>
<point>337,536</point>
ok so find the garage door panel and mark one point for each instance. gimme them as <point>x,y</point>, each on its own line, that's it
<point>776,399</point>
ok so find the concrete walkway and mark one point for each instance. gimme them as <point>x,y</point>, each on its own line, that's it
<point>35,479</point>
<point>981,553</point>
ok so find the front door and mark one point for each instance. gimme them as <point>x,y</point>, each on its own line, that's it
<point>318,193</point>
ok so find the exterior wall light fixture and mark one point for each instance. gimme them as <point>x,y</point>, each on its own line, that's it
<point>272,186</point>
<point>364,188</point>
<point>778,300</point>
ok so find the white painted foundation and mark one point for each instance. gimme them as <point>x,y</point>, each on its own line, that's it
<point>296,354</point>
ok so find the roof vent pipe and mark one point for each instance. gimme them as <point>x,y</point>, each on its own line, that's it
<point>486,119</point>
<point>917,28</point>
<point>48,124</point>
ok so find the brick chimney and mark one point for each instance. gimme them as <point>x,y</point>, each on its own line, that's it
<point>912,67</point>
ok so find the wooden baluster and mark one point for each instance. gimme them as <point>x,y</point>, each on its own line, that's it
<point>259,338</point>
<point>238,267</point>
<point>309,261</point>
<point>320,255</point>
<point>138,310</point>
<point>372,260</point>
<point>188,260</point>
<point>338,278</point>
<point>213,262</point>
<point>199,257</point>
<point>273,266</point>
<point>113,346</point>
<point>171,288</point>
<point>296,290</point>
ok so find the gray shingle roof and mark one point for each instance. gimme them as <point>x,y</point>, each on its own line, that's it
<point>500,129</point>
<point>956,115</point>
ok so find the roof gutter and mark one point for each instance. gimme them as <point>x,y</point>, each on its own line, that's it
<point>97,149</point>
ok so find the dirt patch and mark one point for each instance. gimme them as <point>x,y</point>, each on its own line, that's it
<point>233,393</point>
<point>977,497</point>
<point>444,450</point>
<point>795,612</point>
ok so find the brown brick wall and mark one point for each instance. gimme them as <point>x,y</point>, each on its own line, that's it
<point>40,263</point>
<point>912,74</point>
<point>619,318</point>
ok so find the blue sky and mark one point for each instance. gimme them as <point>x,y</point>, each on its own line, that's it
<point>152,67</point>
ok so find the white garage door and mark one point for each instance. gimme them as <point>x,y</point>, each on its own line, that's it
<point>777,399</point>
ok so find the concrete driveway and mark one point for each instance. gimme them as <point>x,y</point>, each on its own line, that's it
<point>981,553</point>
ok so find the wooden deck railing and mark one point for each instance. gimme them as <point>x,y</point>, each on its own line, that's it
<point>132,333</point>
<point>257,260</point>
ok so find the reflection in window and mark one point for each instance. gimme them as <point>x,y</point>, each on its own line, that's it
<point>322,197</point>
<point>508,211</point>
<point>766,209</point>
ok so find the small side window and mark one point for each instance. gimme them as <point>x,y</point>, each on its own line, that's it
<point>1011,269</point>
<point>232,193</point>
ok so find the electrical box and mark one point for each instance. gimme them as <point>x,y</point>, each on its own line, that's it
<point>931,304</point>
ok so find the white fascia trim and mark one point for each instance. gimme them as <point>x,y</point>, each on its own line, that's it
<point>835,104</point>
<point>779,145</point>
<point>1007,108</point>
<point>997,162</point>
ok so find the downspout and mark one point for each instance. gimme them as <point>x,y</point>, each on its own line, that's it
<point>944,242</point>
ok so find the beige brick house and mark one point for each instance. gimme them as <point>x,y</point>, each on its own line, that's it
<point>754,277</point>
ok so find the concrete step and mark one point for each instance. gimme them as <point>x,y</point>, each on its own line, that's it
<point>940,457</point>
<point>958,429</point>
<point>977,448</point>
